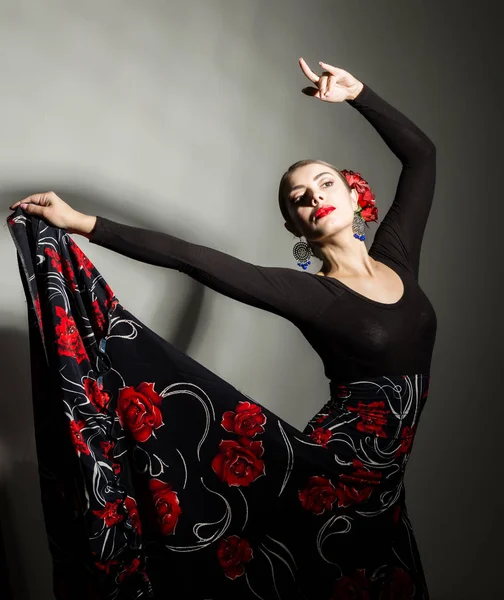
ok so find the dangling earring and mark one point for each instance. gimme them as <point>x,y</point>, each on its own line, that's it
<point>302,253</point>
<point>358,226</point>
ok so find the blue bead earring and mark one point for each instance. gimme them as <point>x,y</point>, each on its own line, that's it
<point>302,253</point>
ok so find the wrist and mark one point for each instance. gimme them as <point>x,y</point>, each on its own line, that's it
<point>355,91</point>
<point>84,225</point>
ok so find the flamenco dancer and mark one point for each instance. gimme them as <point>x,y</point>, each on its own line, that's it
<point>177,485</point>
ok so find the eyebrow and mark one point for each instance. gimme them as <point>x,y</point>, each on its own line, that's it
<point>314,179</point>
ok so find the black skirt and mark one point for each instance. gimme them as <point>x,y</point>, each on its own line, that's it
<point>160,479</point>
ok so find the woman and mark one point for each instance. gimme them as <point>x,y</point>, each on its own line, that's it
<point>250,505</point>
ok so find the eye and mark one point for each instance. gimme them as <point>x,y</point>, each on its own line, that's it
<point>329,182</point>
<point>296,200</point>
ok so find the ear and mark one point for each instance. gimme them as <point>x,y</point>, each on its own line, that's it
<point>354,199</point>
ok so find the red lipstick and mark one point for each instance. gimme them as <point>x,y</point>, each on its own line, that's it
<point>323,211</point>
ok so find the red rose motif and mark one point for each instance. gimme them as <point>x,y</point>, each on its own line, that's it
<point>355,587</point>
<point>110,301</point>
<point>130,569</point>
<point>232,553</point>
<point>399,586</point>
<point>109,514</point>
<point>407,436</point>
<point>248,420</point>
<point>36,303</point>
<point>97,397</point>
<point>319,495</point>
<point>98,315</point>
<point>321,436</point>
<point>55,259</point>
<point>167,506</point>
<point>106,566</point>
<point>77,437</point>
<point>358,486</point>
<point>82,260</point>
<point>320,418</point>
<point>134,517</point>
<point>107,449</point>
<point>138,410</point>
<point>68,273</point>
<point>373,417</point>
<point>239,463</point>
<point>68,339</point>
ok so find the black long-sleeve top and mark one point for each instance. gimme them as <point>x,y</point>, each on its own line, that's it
<point>354,335</point>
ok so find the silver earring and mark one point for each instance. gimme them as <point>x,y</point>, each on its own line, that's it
<point>358,226</point>
<point>302,253</point>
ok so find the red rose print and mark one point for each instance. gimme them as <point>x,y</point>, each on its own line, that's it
<point>356,587</point>
<point>320,418</point>
<point>68,339</point>
<point>239,463</point>
<point>98,315</point>
<point>321,436</point>
<point>130,569</point>
<point>398,586</point>
<point>97,397</point>
<point>77,437</point>
<point>319,495</point>
<point>358,486</point>
<point>69,274</point>
<point>138,410</point>
<point>110,301</point>
<point>232,552</point>
<point>106,566</point>
<point>55,259</point>
<point>82,260</point>
<point>134,517</point>
<point>167,506</point>
<point>407,436</point>
<point>107,449</point>
<point>373,417</point>
<point>109,514</point>
<point>248,420</point>
<point>37,308</point>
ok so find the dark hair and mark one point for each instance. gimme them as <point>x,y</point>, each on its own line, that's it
<point>291,169</point>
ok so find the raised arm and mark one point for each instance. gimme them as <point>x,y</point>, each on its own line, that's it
<point>400,233</point>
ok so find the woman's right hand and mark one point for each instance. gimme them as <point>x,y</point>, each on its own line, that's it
<point>57,212</point>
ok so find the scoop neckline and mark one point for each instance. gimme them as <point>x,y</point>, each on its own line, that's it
<point>386,305</point>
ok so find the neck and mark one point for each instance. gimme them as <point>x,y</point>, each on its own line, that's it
<point>349,258</point>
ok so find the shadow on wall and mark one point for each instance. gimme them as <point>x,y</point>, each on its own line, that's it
<point>21,517</point>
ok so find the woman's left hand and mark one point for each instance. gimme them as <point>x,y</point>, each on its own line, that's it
<point>334,85</point>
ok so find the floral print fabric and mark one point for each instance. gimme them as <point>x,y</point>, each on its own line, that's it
<point>161,480</point>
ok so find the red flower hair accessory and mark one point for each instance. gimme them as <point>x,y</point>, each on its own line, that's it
<point>366,200</point>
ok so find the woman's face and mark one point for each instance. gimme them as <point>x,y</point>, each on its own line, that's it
<point>311,188</point>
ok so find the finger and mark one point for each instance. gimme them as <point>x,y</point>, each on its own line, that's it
<point>33,209</point>
<point>311,91</point>
<point>307,71</point>
<point>33,199</point>
<point>331,84</point>
<point>330,68</point>
<point>323,85</point>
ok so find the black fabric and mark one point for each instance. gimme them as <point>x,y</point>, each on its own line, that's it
<point>353,335</point>
<point>162,480</point>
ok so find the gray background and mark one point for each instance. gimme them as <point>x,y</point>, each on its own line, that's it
<point>182,116</point>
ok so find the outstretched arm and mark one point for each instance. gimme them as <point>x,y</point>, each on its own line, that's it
<point>399,235</point>
<point>286,292</point>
